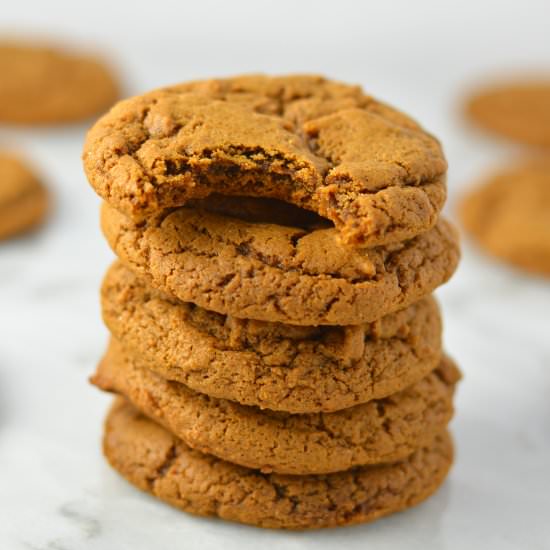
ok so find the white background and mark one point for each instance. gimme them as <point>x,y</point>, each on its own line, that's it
<point>56,492</point>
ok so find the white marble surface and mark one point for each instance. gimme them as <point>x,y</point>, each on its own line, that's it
<point>56,492</point>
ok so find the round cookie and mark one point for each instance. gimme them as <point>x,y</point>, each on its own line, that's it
<point>270,365</point>
<point>509,215</point>
<point>516,110</point>
<point>43,85</point>
<point>23,199</point>
<point>277,273</point>
<point>157,462</point>
<point>380,431</point>
<point>321,145</point>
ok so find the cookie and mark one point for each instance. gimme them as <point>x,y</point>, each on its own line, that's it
<point>380,431</point>
<point>509,215</point>
<point>43,85</point>
<point>276,273</point>
<point>159,463</point>
<point>516,110</point>
<point>270,365</point>
<point>23,198</point>
<point>321,145</point>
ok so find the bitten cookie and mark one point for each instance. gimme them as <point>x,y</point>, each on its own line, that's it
<point>157,462</point>
<point>43,85</point>
<point>516,110</point>
<point>271,365</point>
<point>509,215</point>
<point>381,431</point>
<point>322,145</point>
<point>277,273</point>
<point>23,198</point>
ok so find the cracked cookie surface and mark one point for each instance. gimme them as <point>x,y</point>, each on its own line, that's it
<point>380,431</point>
<point>271,365</point>
<point>44,85</point>
<point>23,198</point>
<point>509,215</point>
<point>159,463</point>
<point>278,273</point>
<point>321,145</point>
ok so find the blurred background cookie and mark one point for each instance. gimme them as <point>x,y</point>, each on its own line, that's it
<point>45,85</point>
<point>509,215</point>
<point>519,110</point>
<point>23,198</point>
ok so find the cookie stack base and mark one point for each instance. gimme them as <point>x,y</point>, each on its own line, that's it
<point>156,461</point>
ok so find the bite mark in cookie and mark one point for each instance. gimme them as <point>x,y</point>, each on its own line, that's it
<point>321,145</point>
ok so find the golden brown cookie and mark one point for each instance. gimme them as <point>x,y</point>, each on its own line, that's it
<point>516,110</point>
<point>321,145</point>
<point>381,431</point>
<point>23,198</point>
<point>157,462</point>
<point>509,215</point>
<point>43,85</point>
<point>277,273</point>
<point>271,365</point>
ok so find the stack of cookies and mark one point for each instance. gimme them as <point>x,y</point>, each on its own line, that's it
<point>275,347</point>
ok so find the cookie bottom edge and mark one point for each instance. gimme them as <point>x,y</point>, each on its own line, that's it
<point>157,462</point>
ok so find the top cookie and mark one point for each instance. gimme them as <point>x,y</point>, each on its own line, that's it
<point>41,85</point>
<point>517,110</point>
<point>321,145</point>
